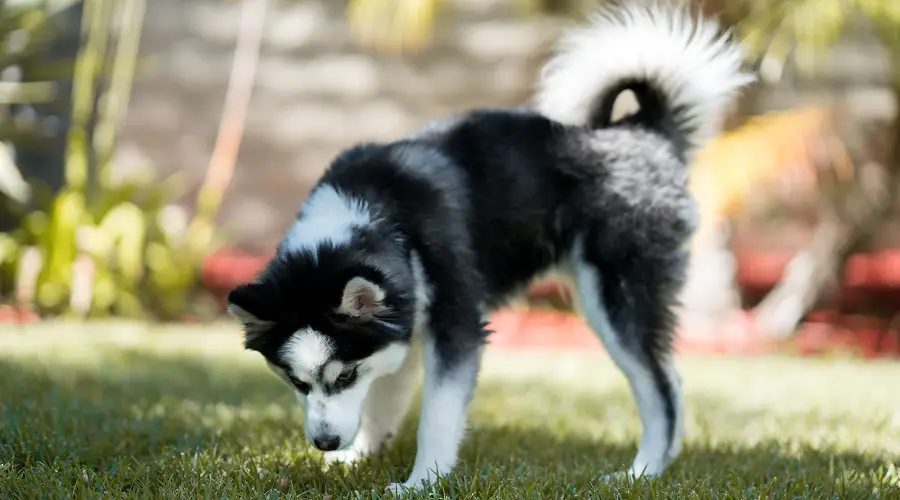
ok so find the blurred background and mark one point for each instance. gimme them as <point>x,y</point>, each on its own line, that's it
<point>154,151</point>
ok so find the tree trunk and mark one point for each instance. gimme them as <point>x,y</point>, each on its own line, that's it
<point>814,273</point>
<point>851,215</point>
<point>710,295</point>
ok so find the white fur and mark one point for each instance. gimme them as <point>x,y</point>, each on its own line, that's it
<point>654,453</point>
<point>442,423</point>
<point>305,352</point>
<point>327,216</point>
<point>422,292</point>
<point>693,64</point>
<point>332,371</point>
<point>445,398</point>
<point>338,414</point>
<point>385,408</point>
<point>367,414</point>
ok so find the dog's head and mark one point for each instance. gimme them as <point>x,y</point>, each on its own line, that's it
<point>329,324</point>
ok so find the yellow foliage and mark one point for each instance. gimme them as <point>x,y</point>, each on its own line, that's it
<point>768,147</point>
<point>392,25</point>
<point>101,245</point>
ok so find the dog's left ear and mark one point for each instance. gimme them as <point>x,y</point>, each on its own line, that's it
<point>245,306</point>
<point>362,299</point>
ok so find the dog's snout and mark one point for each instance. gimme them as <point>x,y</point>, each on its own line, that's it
<point>327,443</point>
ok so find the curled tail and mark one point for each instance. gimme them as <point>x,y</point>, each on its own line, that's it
<point>683,71</point>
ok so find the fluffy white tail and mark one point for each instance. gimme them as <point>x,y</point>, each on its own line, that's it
<point>682,69</point>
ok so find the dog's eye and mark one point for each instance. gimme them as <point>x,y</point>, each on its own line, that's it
<point>346,377</point>
<point>301,385</point>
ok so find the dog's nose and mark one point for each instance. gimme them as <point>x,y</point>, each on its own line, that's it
<point>327,443</point>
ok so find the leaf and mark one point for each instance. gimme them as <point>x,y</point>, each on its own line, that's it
<point>9,249</point>
<point>59,247</point>
<point>105,291</point>
<point>767,148</point>
<point>392,25</point>
<point>126,225</point>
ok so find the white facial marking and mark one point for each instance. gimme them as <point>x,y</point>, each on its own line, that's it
<point>306,352</point>
<point>340,413</point>
<point>332,371</point>
<point>327,216</point>
<point>329,411</point>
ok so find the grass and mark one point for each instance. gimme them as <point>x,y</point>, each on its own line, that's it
<point>124,411</point>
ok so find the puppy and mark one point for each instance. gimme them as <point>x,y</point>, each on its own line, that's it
<point>403,248</point>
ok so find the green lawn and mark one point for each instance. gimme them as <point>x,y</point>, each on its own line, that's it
<point>116,410</point>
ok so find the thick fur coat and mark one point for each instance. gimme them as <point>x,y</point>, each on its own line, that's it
<point>404,248</point>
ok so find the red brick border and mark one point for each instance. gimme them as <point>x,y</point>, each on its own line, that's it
<point>870,278</point>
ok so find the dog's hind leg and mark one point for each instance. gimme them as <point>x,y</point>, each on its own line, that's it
<point>628,303</point>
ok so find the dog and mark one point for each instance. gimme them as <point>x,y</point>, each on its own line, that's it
<point>403,249</point>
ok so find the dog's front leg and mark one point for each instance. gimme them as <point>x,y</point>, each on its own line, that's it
<point>385,408</point>
<point>451,371</point>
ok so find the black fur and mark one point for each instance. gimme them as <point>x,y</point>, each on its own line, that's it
<point>293,294</point>
<point>464,214</point>
<point>488,200</point>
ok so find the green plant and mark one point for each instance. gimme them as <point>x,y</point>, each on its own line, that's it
<point>103,245</point>
<point>777,28</point>
<point>851,211</point>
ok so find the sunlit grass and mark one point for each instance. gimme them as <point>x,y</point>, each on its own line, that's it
<point>120,410</point>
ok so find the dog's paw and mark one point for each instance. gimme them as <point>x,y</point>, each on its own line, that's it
<point>346,457</point>
<point>617,477</point>
<point>343,458</point>
<point>400,489</point>
<point>629,476</point>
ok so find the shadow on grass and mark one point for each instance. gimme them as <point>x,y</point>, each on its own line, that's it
<point>142,422</point>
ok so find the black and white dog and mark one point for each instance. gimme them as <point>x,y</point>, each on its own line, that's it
<point>403,248</point>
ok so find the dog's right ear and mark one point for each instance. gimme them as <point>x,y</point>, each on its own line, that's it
<point>246,306</point>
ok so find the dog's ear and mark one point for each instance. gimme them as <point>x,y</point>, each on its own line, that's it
<point>362,300</point>
<point>246,306</point>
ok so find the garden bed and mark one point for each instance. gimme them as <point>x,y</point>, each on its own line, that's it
<point>872,280</point>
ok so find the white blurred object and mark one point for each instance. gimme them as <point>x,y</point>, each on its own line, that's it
<point>11,182</point>
<point>173,220</point>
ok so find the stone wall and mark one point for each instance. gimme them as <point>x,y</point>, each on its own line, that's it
<point>316,93</point>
